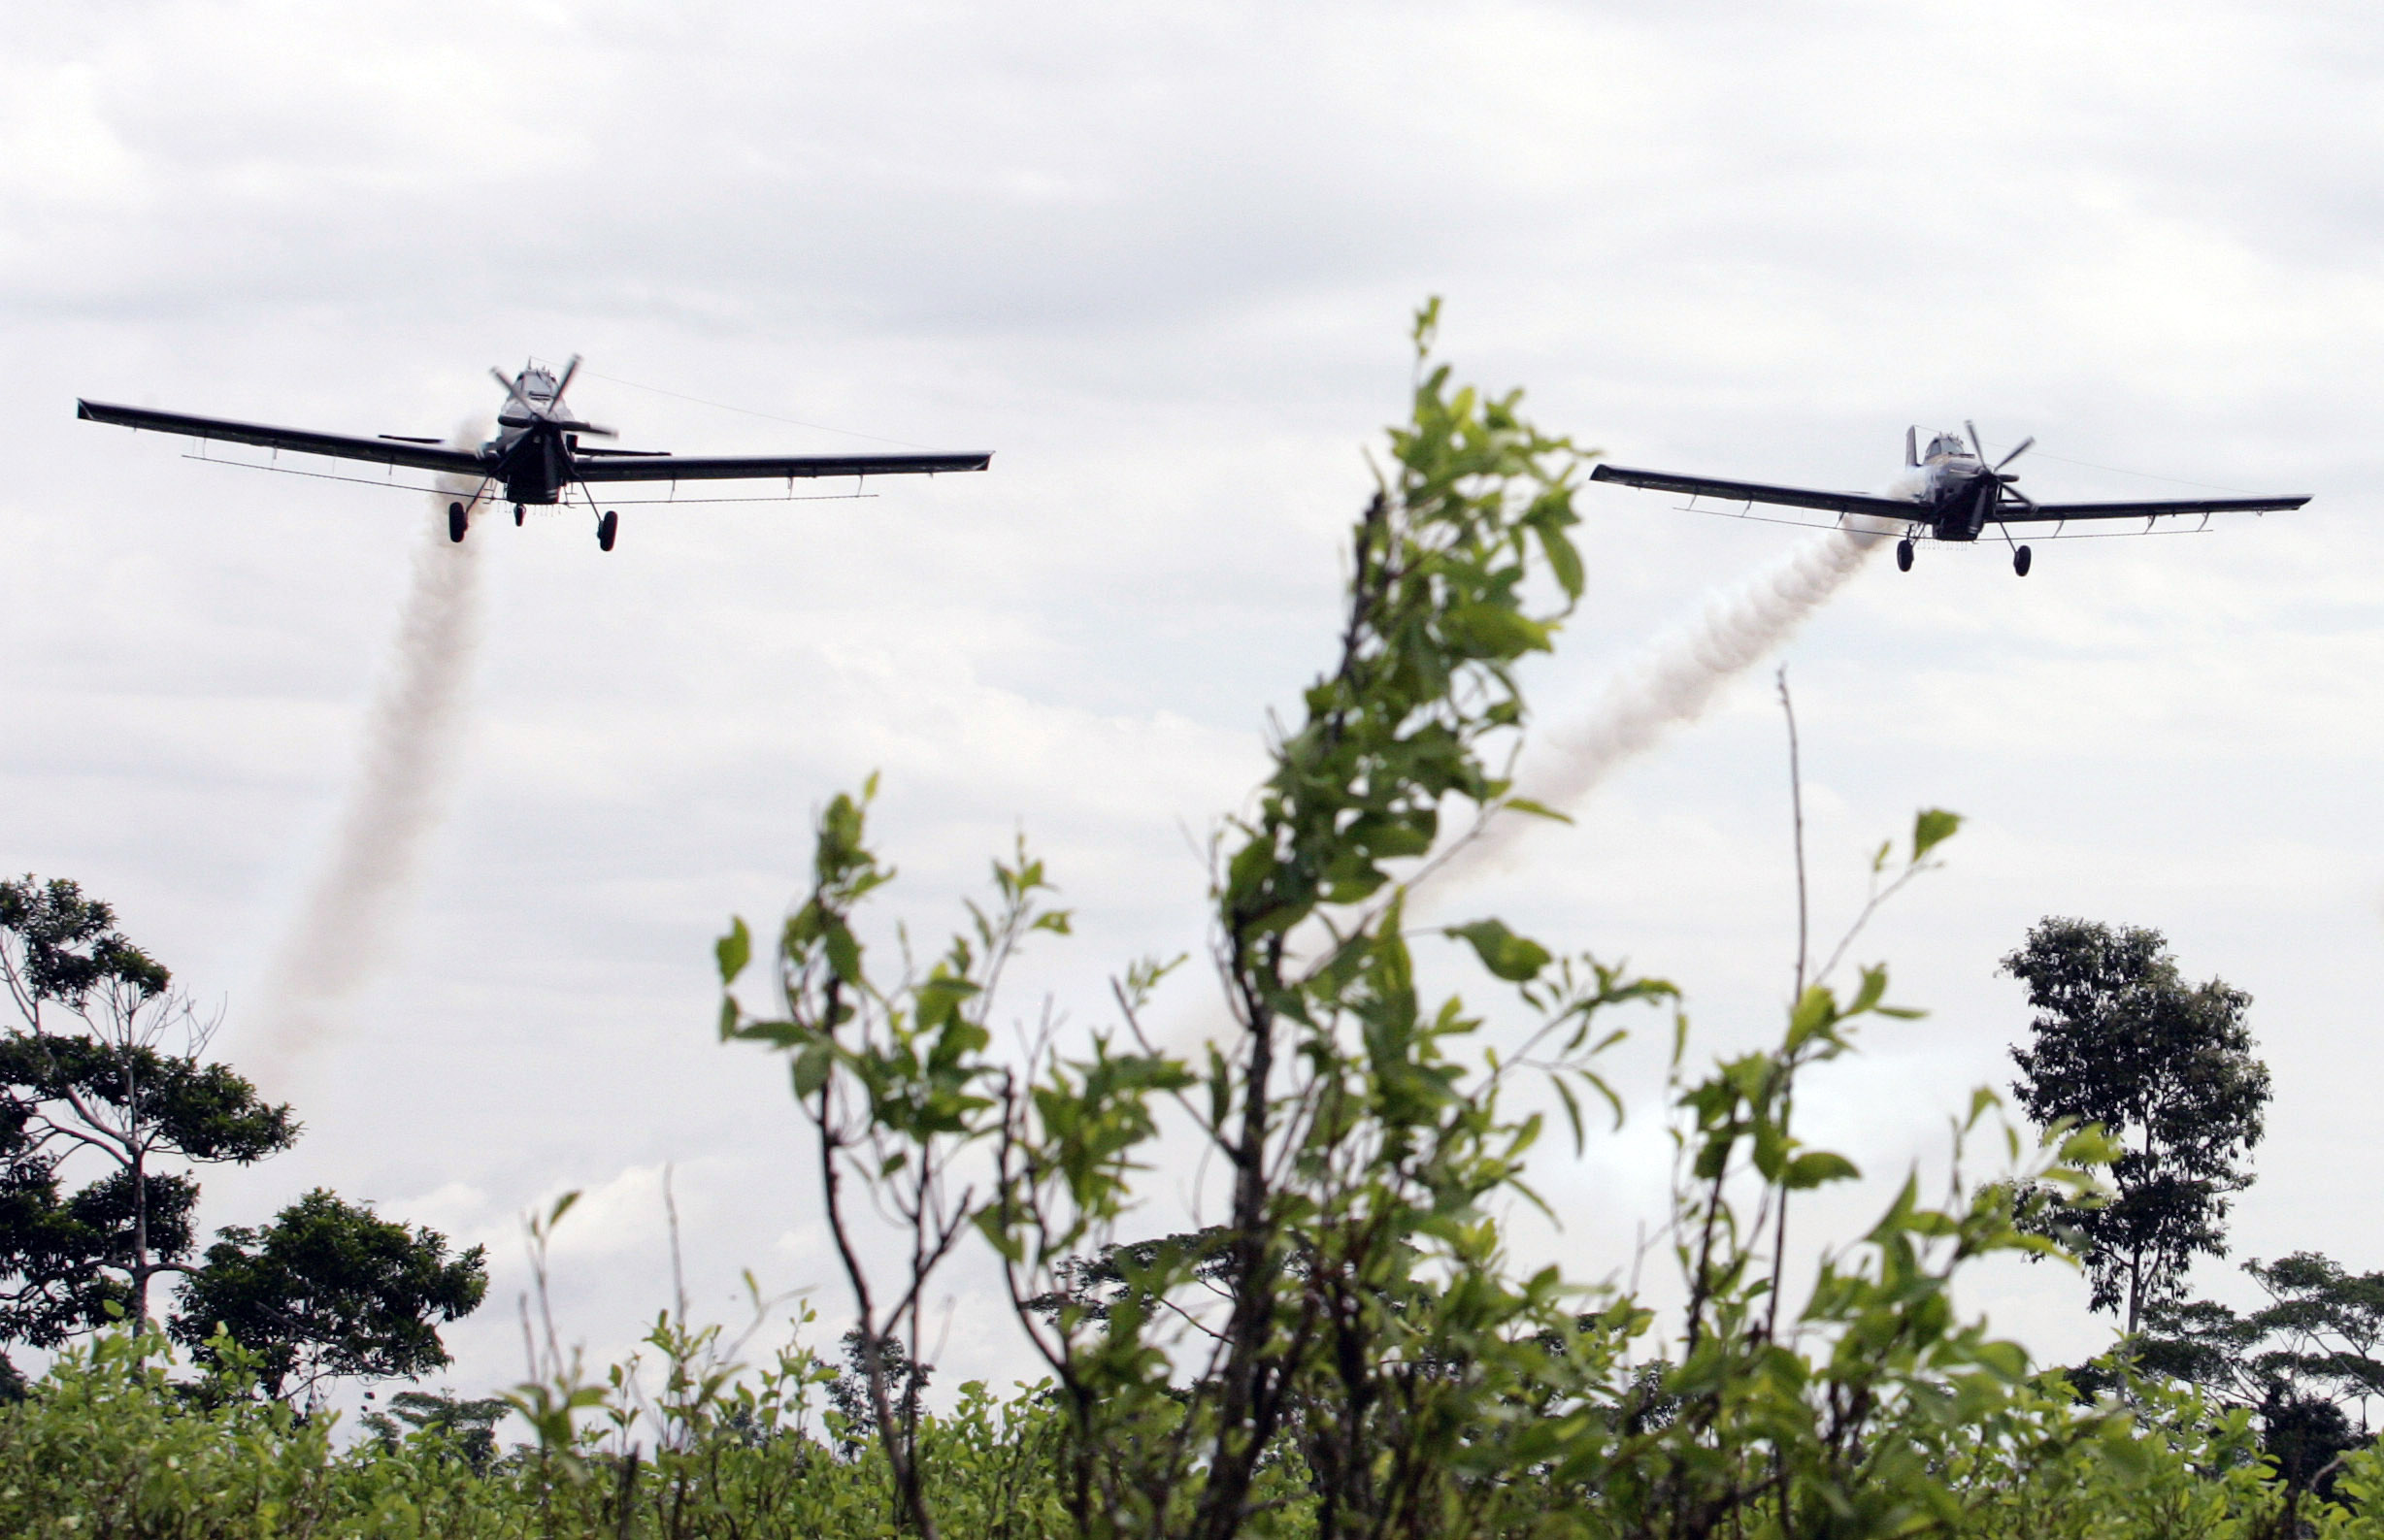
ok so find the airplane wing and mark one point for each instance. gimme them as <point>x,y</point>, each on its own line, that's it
<point>616,465</point>
<point>1756,492</point>
<point>2048,512</point>
<point>427,455</point>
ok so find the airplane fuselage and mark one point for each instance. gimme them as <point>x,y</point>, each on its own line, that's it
<point>1957,496</point>
<point>533,459</point>
<point>1958,492</point>
<point>532,451</point>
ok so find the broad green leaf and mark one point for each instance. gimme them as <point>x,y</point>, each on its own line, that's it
<point>734,950</point>
<point>1931,828</point>
<point>1563,560</point>
<point>810,1072</point>
<point>844,952</point>
<point>1493,631</point>
<point>1513,958</point>
<point>1815,1166</point>
<point>1815,1012</point>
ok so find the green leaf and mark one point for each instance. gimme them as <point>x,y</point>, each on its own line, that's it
<point>1572,1111</point>
<point>1533,809</point>
<point>1563,561</point>
<point>1493,631</point>
<point>1932,827</point>
<point>1816,1166</point>
<point>734,950</point>
<point>1815,1012</point>
<point>1513,958</point>
<point>810,1072</point>
<point>844,952</point>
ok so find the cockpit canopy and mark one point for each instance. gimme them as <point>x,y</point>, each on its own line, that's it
<point>1946,444</point>
<point>539,386</point>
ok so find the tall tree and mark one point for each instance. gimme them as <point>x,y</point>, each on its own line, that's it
<point>2120,1038</point>
<point>136,1107</point>
<point>330,1290</point>
<point>104,1066</point>
<point>105,1062</point>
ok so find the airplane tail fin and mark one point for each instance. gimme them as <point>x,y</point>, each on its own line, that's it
<point>1911,447</point>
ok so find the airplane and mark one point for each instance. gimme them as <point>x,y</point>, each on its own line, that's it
<point>537,456</point>
<point>1958,495</point>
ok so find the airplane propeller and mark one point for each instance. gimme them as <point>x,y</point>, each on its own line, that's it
<point>510,389</point>
<point>2003,483</point>
<point>547,413</point>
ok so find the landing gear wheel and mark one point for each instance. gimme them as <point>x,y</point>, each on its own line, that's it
<point>456,522</point>
<point>2019,561</point>
<point>607,527</point>
<point>519,514</point>
<point>1903,556</point>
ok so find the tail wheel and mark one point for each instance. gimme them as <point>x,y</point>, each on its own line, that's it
<point>1903,556</point>
<point>2019,561</point>
<point>456,522</point>
<point>519,514</point>
<point>607,526</point>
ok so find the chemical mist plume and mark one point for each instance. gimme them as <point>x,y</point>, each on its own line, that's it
<point>1672,680</point>
<point>354,909</point>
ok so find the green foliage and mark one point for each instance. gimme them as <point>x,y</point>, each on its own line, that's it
<point>111,1443</point>
<point>2120,1040</point>
<point>2305,1366</point>
<point>468,1427</point>
<point>329,1290</point>
<point>59,947</point>
<point>1349,1348</point>
<point>85,1081</point>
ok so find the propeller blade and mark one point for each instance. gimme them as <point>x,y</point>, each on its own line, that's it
<point>563,385</point>
<point>515,391</point>
<point>593,431</point>
<point>2017,451</point>
<point>2019,496</point>
<point>1977,442</point>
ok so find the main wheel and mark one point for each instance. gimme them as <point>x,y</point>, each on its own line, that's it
<point>2019,561</point>
<point>456,522</point>
<point>519,514</point>
<point>1903,556</point>
<point>606,528</point>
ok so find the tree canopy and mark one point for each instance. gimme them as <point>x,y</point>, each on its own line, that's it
<point>2121,1039</point>
<point>329,1290</point>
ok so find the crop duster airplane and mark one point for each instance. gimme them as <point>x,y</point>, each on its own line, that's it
<point>1956,497</point>
<point>535,457</point>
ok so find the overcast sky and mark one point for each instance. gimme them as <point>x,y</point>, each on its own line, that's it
<point>1160,259</point>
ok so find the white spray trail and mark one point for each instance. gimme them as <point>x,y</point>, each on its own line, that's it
<point>355,911</point>
<point>1673,679</point>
